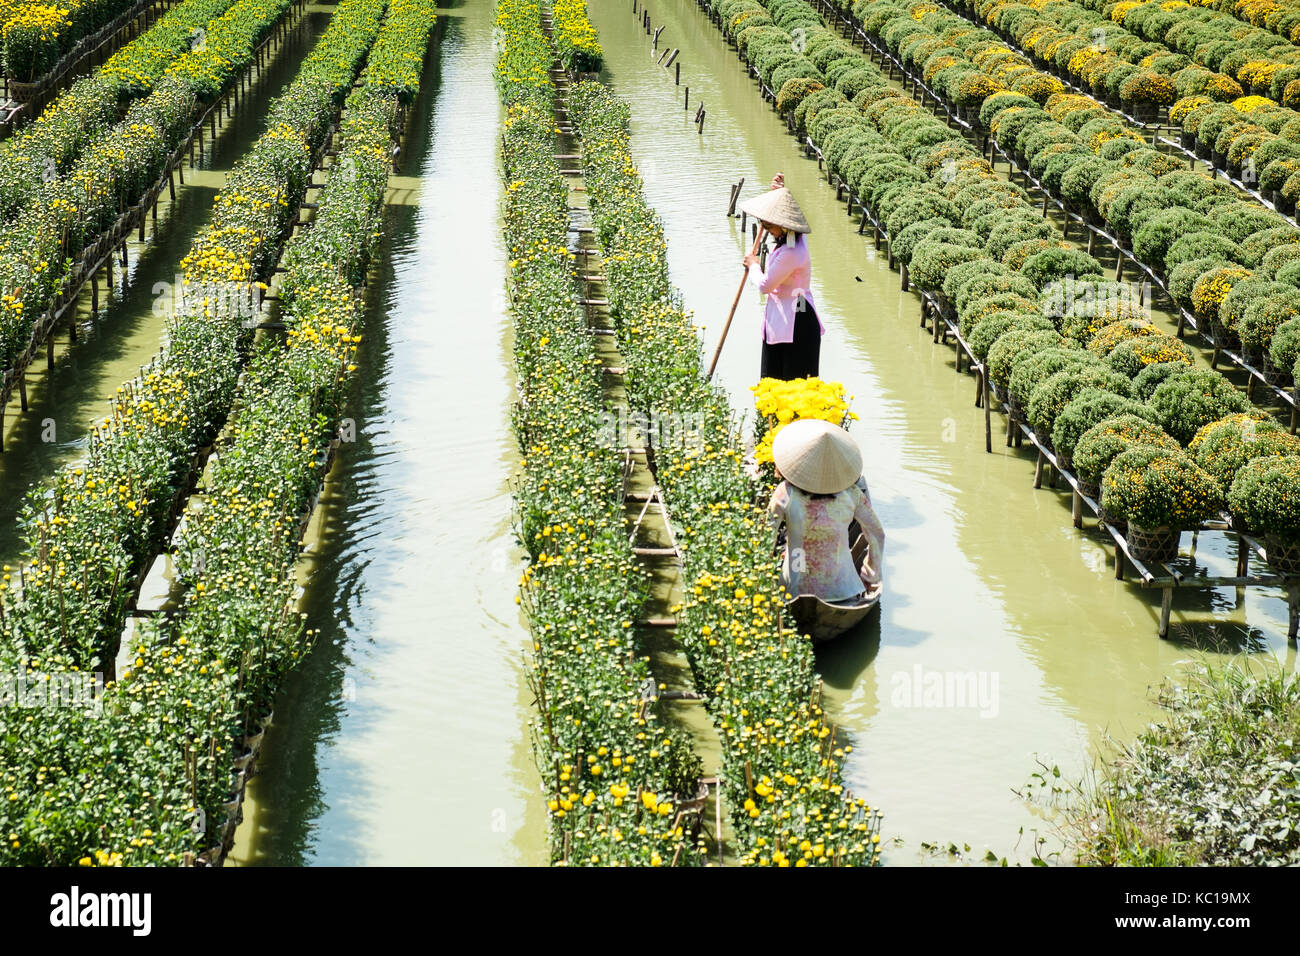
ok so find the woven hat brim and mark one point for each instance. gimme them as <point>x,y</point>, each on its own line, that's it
<point>778,207</point>
<point>817,456</point>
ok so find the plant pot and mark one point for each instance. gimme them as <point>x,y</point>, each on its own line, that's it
<point>1219,159</point>
<point>1204,150</point>
<point>1267,196</point>
<point>1234,170</point>
<point>1284,205</point>
<point>1188,140</point>
<point>1283,556</point>
<point>24,92</point>
<point>1144,112</point>
<point>1119,524</point>
<point>1253,355</point>
<point>1224,337</point>
<point>1089,490</point>
<point>1277,377</point>
<point>1152,544</point>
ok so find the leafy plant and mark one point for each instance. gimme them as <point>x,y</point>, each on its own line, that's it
<point>1089,407</point>
<point>1155,487</point>
<point>1186,402</point>
<point>1224,446</point>
<point>1265,494</point>
<point>1099,445</point>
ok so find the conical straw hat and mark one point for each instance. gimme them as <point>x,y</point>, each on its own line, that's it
<point>778,207</point>
<point>817,456</point>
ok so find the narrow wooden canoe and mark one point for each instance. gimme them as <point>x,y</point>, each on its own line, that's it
<point>825,622</point>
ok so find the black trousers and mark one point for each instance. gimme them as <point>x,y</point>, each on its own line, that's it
<point>800,358</point>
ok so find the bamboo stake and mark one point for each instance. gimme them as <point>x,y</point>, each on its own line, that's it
<point>758,239</point>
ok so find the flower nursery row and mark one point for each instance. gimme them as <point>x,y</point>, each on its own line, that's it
<point>575,38</point>
<point>93,527</point>
<point>35,36</point>
<point>1211,38</point>
<point>1195,233</point>
<point>611,771</point>
<point>47,147</point>
<point>238,553</point>
<point>147,776</point>
<point>780,762</point>
<point>1215,115</point>
<point>1072,352</point>
<point>69,215</point>
<point>1280,16</point>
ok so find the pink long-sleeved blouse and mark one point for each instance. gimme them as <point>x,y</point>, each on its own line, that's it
<point>788,276</point>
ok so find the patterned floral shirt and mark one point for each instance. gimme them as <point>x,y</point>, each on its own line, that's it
<point>817,556</point>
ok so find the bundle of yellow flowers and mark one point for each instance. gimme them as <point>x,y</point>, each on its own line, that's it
<point>1222,87</point>
<point>1122,10</point>
<point>781,402</point>
<point>575,37</point>
<point>1248,104</point>
<point>1212,287</point>
<point>1184,107</point>
<point>1257,74</point>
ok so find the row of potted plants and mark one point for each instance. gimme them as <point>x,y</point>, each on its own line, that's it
<point>140,778</point>
<point>70,216</point>
<point>104,517</point>
<point>613,773</point>
<point>1212,39</point>
<point>48,146</point>
<point>1216,118</point>
<point>237,555</point>
<point>780,761</point>
<point>1198,233</point>
<point>34,37</point>
<point>1183,403</point>
<point>1152,491</point>
<point>1278,16</point>
<point>1068,349</point>
<point>575,38</point>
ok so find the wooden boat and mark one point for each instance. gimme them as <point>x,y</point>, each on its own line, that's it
<point>824,622</point>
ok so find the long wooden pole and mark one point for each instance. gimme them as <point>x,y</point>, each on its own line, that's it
<point>758,240</point>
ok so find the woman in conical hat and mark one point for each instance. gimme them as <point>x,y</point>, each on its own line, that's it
<point>822,493</point>
<point>792,332</point>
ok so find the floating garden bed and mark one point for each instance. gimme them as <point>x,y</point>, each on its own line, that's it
<point>611,770</point>
<point>156,755</point>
